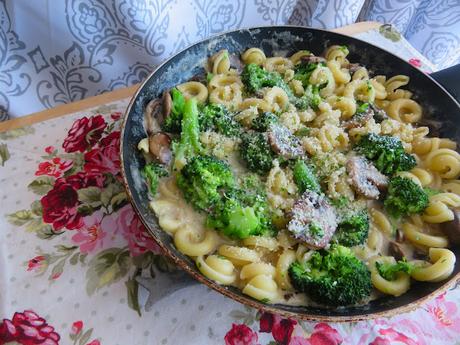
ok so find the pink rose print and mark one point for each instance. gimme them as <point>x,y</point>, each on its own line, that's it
<point>280,328</point>
<point>390,336</point>
<point>90,235</point>
<point>56,167</point>
<point>49,149</point>
<point>76,327</point>
<point>84,133</point>
<point>241,335</point>
<point>84,180</point>
<point>116,116</point>
<point>27,328</point>
<point>323,334</point>
<point>106,158</point>
<point>38,264</point>
<point>415,62</point>
<point>60,206</point>
<point>139,241</point>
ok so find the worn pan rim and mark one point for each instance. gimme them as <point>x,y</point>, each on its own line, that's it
<point>246,300</point>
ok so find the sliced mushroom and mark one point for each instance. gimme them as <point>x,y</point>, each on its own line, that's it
<point>359,120</point>
<point>379,114</point>
<point>313,209</point>
<point>283,142</point>
<point>167,104</point>
<point>152,111</point>
<point>365,178</point>
<point>394,249</point>
<point>452,228</point>
<point>399,236</point>
<point>159,146</point>
<point>312,59</point>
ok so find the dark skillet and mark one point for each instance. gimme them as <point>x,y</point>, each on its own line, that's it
<point>437,104</point>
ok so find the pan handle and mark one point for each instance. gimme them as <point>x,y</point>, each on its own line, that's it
<point>450,79</point>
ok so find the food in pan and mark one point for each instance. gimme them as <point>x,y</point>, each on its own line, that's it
<point>302,180</point>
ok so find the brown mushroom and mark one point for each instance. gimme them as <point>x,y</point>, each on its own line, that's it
<point>159,146</point>
<point>394,249</point>
<point>399,236</point>
<point>312,59</point>
<point>365,178</point>
<point>152,111</point>
<point>452,228</point>
<point>167,104</point>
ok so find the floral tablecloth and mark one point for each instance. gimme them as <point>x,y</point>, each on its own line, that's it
<point>72,253</point>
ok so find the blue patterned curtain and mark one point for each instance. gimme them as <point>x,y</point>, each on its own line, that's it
<point>54,52</point>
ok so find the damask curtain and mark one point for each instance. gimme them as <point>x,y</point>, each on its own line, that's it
<point>58,51</point>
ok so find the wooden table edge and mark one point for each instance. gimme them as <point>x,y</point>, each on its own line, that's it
<point>115,95</point>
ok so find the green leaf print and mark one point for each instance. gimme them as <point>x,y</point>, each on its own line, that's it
<point>16,133</point>
<point>41,185</point>
<point>20,217</point>
<point>389,32</point>
<point>132,287</point>
<point>4,154</point>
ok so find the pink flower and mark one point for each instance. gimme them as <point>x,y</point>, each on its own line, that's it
<point>60,206</point>
<point>84,180</point>
<point>38,264</point>
<point>76,327</point>
<point>94,342</point>
<point>323,334</point>
<point>241,335</point>
<point>139,241</point>
<point>27,328</point>
<point>299,341</point>
<point>90,235</point>
<point>84,133</point>
<point>415,62</point>
<point>390,336</point>
<point>266,322</point>
<point>105,158</point>
<point>282,331</point>
<point>56,275</point>
<point>116,116</point>
<point>49,149</point>
<point>56,167</point>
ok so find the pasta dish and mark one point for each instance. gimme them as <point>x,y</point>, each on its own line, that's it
<point>302,180</point>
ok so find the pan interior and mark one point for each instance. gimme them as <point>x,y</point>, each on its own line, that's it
<point>440,110</point>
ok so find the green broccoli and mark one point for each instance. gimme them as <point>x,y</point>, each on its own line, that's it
<point>255,77</point>
<point>389,271</point>
<point>353,229</point>
<point>304,177</point>
<point>304,70</point>
<point>340,202</point>
<point>315,230</point>
<point>311,98</point>
<point>152,173</point>
<point>302,132</point>
<point>172,123</point>
<point>189,144</point>
<point>203,179</point>
<point>361,108</point>
<point>404,197</point>
<point>218,118</point>
<point>332,277</point>
<point>252,183</point>
<point>262,122</point>
<point>256,152</point>
<point>386,153</point>
<point>240,214</point>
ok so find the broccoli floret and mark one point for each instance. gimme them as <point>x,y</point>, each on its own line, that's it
<point>334,277</point>
<point>172,123</point>
<point>304,177</point>
<point>256,152</point>
<point>203,179</point>
<point>389,271</point>
<point>361,108</point>
<point>311,98</point>
<point>315,230</point>
<point>404,197</point>
<point>240,214</point>
<point>153,172</point>
<point>353,229</point>
<point>386,153</point>
<point>303,72</point>
<point>302,132</point>
<point>262,122</point>
<point>252,183</point>
<point>255,77</point>
<point>340,202</point>
<point>218,118</point>
<point>189,144</point>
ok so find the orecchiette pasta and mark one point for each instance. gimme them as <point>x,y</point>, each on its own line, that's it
<point>442,262</point>
<point>251,205</point>
<point>390,287</point>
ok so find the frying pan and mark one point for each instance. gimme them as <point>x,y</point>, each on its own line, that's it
<point>441,111</point>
